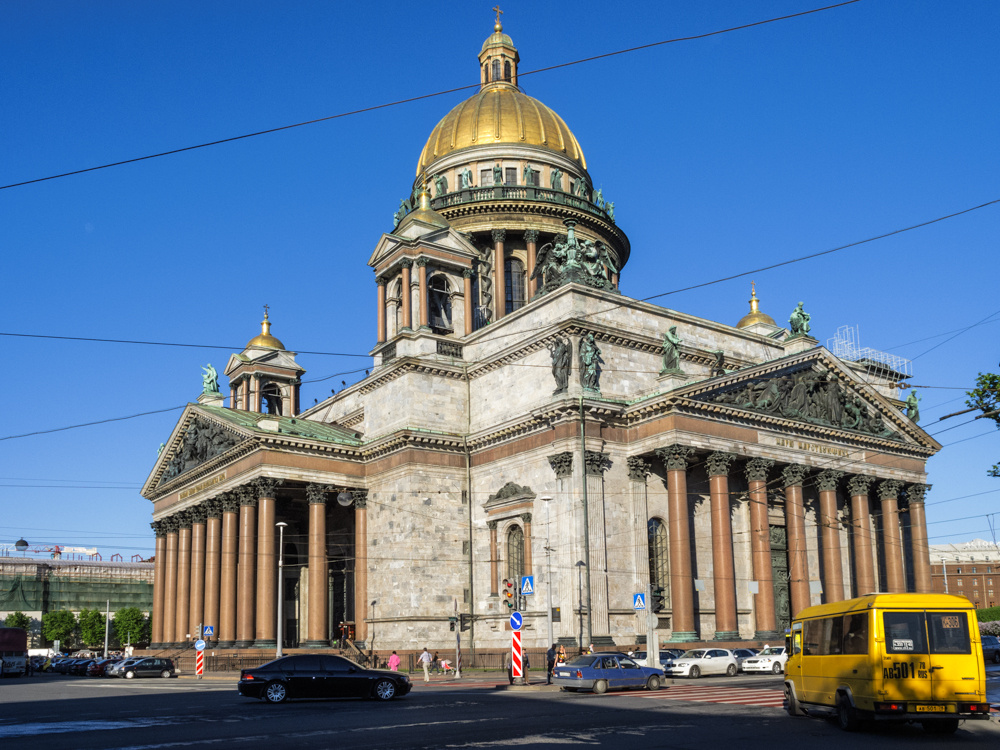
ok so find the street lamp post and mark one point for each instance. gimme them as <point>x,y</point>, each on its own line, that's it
<point>281,587</point>
<point>548,569</point>
<point>579,577</point>
<point>944,567</point>
<point>371,645</point>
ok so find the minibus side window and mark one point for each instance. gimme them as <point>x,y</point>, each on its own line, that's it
<point>856,633</point>
<point>812,631</point>
<point>904,632</point>
<point>797,642</point>
<point>949,632</point>
<point>832,631</point>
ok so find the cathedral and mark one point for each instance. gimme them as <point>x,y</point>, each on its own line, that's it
<point>655,474</point>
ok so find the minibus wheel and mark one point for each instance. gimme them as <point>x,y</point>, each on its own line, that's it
<point>847,717</point>
<point>791,704</point>
<point>941,726</point>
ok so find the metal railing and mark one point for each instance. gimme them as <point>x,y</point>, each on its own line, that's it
<point>516,192</point>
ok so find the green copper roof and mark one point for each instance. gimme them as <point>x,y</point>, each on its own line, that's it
<point>292,426</point>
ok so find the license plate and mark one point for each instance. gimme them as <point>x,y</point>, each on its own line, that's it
<point>931,709</point>
<point>564,674</point>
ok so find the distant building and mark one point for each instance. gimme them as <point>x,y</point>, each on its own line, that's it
<point>969,569</point>
<point>35,586</point>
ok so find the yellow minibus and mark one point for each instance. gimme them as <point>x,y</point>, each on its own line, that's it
<point>901,657</point>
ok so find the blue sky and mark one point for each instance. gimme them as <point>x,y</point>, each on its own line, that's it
<point>722,155</point>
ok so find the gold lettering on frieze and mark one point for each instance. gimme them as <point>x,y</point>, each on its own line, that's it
<point>811,447</point>
<point>217,479</point>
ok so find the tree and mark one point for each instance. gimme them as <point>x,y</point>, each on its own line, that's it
<point>131,626</point>
<point>985,397</point>
<point>59,626</point>
<point>17,620</point>
<point>92,624</point>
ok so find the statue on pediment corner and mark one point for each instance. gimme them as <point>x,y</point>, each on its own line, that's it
<point>799,321</point>
<point>210,379</point>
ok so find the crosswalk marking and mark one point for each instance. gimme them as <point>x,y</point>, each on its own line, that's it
<point>768,697</point>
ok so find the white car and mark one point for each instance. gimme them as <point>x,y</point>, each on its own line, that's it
<point>772,659</point>
<point>699,661</point>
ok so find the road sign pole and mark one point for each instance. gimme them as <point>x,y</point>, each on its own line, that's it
<point>652,638</point>
<point>517,658</point>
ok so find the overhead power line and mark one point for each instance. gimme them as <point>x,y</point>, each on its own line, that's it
<point>412,99</point>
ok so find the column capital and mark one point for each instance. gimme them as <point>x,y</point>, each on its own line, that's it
<point>230,502</point>
<point>381,280</point>
<point>531,235</point>
<point>247,496</point>
<point>360,499</point>
<point>198,514</point>
<point>638,468</point>
<point>757,469</point>
<point>858,485</point>
<point>421,262</point>
<point>213,507</point>
<point>526,517</point>
<point>828,479</point>
<point>915,492</point>
<point>888,489</point>
<point>406,263</point>
<point>718,463</point>
<point>562,464</point>
<point>491,525</point>
<point>183,518</point>
<point>499,235</point>
<point>597,463</point>
<point>316,494</point>
<point>266,486</point>
<point>675,457</point>
<point>159,529</point>
<point>468,273</point>
<point>170,525</point>
<point>793,474</point>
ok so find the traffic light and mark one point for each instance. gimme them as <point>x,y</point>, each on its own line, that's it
<point>659,602</point>
<point>507,593</point>
<point>465,621</point>
<point>451,623</point>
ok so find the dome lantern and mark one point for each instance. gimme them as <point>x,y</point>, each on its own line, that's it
<point>755,316</point>
<point>498,59</point>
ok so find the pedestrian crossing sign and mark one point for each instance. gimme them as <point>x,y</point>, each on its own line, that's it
<point>639,601</point>
<point>207,630</point>
<point>527,585</point>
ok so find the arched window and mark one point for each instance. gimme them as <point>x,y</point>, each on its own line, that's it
<point>496,70</point>
<point>506,71</point>
<point>439,303</point>
<point>515,553</point>
<point>271,399</point>
<point>657,546</point>
<point>514,281</point>
<point>398,296</point>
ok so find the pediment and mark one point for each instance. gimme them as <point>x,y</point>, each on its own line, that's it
<point>198,439</point>
<point>442,239</point>
<point>510,494</point>
<point>812,388</point>
<point>279,358</point>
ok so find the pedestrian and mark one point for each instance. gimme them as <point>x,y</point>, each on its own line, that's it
<point>394,662</point>
<point>425,661</point>
<point>508,666</point>
<point>591,649</point>
<point>550,663</point>
<point>29,668</point>
<point>561,655</point>
<point>435,663</point>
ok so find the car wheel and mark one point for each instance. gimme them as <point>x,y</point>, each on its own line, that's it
<point>777,668</point>
<point>165,673</point>
<point>694,672</point>
<point>601,686</point>
<point>129,675</point>
<point>653,683</point>
<point>847,717</point>
<point>275,692</point>
<point>384,690</point>
<point>941,726</point>
<point>731,670</point>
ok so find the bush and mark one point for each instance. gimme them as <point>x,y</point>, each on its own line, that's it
<point>17,620</point>
<point>989,614</point>
<point>990,628</point>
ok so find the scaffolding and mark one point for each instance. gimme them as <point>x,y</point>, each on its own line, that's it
<point>846,345</point>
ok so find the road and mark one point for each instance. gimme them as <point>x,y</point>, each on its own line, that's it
<point>66,713</point>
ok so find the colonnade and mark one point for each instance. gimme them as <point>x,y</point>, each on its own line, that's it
<point>217,564</point>
<point>761,474</point>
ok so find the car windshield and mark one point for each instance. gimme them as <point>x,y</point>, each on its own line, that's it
<point>772,651</point>
<point>639,655</point>
<point>583,660</point>
<point>695,654</point>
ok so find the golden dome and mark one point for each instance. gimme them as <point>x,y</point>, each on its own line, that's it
<point>755,315</point>
<point>265,339</point>
<point>500,114</point>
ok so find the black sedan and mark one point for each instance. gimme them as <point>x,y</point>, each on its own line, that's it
<point>320,676</point>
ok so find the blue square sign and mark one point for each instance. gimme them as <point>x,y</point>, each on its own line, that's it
<point>527,585</point>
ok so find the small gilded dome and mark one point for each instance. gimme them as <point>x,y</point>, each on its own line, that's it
<point>755,315</point>
<point>265,339</point>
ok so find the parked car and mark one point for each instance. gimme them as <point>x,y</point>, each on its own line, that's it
<point>100,668</point>
<point>667,655</point>
<point>149,668</point>
<point>115,670</point>
<point>79,667</point>
<point>699,661</point>
<point>742,654</point>
<point>320,676</point>
<point>771,659</point>
<point>991,648</point>
<point>603,672</point>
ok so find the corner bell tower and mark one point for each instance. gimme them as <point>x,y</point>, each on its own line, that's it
<point>265,377</point>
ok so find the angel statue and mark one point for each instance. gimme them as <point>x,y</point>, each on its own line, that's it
<point>210,379</point>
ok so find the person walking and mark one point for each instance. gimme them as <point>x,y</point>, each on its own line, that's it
<point>508,666</point>
<point>394,662</point>
<point>425,661</point>
<point>435,663</point>
<point>561,655</point>
<point>550,663</point>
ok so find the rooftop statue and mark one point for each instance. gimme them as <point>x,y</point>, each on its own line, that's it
<point>580,187</point>
<point>555,178</point>
<point>562,360</point>
<point>609,209</point>
<point>599,198</point>
<point>497,175</point>
<point>567,259</point>
<point>465,178</point>
<point>529,175</point>
<point>210,379</point>
<point>913,407</point>
<point>403,210</point>
<point>440,184</point>
<point>590,364</point>
<point>671,352</point>
<point>799,321</point>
